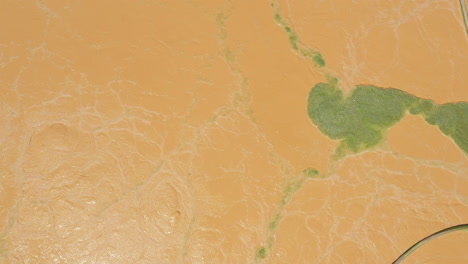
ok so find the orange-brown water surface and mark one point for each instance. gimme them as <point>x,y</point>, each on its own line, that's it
<point>157,131</point>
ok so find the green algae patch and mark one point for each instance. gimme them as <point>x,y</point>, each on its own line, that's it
<point>361,120</point>
<point>293,39</point>
<point>452,120</point>
<point>315,56</point>
<point>261,253</point>
<point>319,59</point>
<point>310,173</point>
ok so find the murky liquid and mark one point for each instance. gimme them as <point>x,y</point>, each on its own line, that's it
<point>177,132</point>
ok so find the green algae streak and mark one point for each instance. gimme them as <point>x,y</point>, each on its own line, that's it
<point>361,120</point>
<point>295,42</point>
